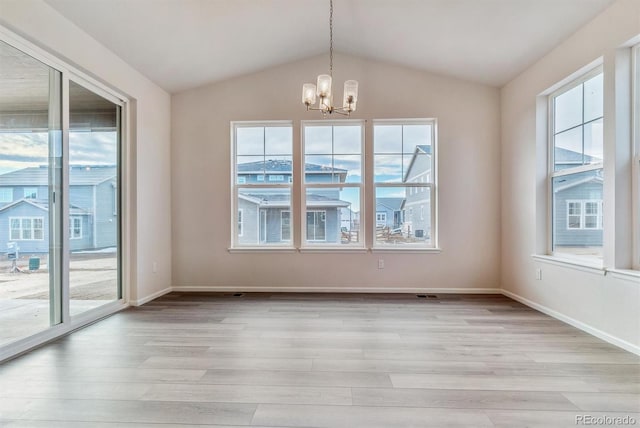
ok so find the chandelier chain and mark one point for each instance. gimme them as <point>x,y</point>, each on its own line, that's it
<point>331,38</point>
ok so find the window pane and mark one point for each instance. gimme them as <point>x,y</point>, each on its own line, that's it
<point>568,149</point>
<point>593,142</point>
<point>94,145</point>
<point>262,215</point>
<point>278,140</point>
<point>250,141</point>
<point>285,225</point>
<point>318,169</point>
<point>576,230</point>
<point>416,137</point>
<point>347,168</point>
<point>333,215</point>
<point>318,140</point>
<point>388,168</point>
<point>347,140</point>
<point>568,109</point>
<point>593,98</point>
<point>403,218</point>
<point>387,138</point>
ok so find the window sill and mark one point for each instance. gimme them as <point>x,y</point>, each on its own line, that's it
<point>265,249</point>
<point>582,265</point>
<point>329,249</point>
<point>405,250</point>
<point>628,274</point>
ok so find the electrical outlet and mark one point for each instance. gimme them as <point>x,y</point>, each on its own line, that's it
<point>538,274</point>
<point>155,267</point>
<point>380,263</point>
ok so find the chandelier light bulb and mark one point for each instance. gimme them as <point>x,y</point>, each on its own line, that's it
<point>308,94</point>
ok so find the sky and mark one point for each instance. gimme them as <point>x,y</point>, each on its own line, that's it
<point>31,149</point>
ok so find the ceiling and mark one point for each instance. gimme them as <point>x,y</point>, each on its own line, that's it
<point>181,44</point>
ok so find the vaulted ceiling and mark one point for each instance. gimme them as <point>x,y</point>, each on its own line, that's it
<point>182,44</point>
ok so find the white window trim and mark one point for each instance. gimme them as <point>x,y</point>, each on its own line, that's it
<point>381,217</point>
<point>4,192</point>
<point>583,213</point>
<point>32,229</point>
<point>281,221</point>
<point>313,243</point>
<point>431,184</point>
<point>635,166</point>
<point>260,184</point>
<point>315,212</point>
<point>240,222</point>
<point>72,219</point>
<point>551,172</point>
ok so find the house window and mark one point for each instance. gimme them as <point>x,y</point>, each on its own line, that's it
<point>584,215</point>
<point>575,170</point>
<point>332,185</point>
<point>31,193</point>
<point>285,225</point>
<point>404,162</point>
<point>26,228</point>
<point>6,194</point>
<point>381,218</point>
<point>75,228</point>
<point>276,177</point>
<point>259,149</point>
<point>316,225</point>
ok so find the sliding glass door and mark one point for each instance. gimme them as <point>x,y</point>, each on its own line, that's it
<point>94,137</point>
<point>30,167</point>
<point>60,205</point>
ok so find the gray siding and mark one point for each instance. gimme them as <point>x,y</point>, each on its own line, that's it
<point>575,237</point>
<point>106,226</point>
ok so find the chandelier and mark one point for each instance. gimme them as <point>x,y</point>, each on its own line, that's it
<point>323,88</point>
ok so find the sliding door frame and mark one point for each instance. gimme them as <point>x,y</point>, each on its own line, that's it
<point>125,215</point>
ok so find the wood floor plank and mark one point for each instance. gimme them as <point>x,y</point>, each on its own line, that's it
<point>320,360</point>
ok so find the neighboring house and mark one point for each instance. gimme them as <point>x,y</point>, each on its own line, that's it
<point>417,207</point>
<point>578,210</point>
<point>264,214</point>
<point>389,212</point>
<point>24,208</point>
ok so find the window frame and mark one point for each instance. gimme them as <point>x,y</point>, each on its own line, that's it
<point>261,183</point>
<point>305,186</point>
<point>32,229</point>
<point>240,223</point>
<point>27,191</point>
<point>72,227</point>
<point>551,171</point>
<point>635,155</point>
<point>413,187</point>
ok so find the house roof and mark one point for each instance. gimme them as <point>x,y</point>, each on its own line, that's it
<point>284,200</point>
<point>421,149</point>
<point>79,175</point>
<point>284,166</point>
<point>43,205</point>
<point>569,182</point>
<point>570,157</point>
<point>394,204</point>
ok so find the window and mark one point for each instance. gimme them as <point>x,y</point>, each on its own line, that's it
<point>584,215</point>
<point>240,222</point>
<point>381,218</point>
<point>332,184</point>
<point>26,228</point>
<point>276,177</point>
<point>316,225</point>
<point>636,154</point>
<point>6,194</point>
<point>261,149</point>
<point>575,170</point>
<point>404,163</point>
<point>285,225</point>
<point>31,193</point>
<point>75,227</point>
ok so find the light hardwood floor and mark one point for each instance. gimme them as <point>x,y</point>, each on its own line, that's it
<point>321,360</point>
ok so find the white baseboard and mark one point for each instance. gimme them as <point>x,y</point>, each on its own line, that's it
<point>407,290</point>
<point>150,297</point>
<point>577,324</point>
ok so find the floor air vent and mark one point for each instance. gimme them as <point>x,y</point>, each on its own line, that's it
<point>238,295</point>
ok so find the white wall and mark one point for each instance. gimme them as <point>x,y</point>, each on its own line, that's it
<point>150,201</point>
<point>606,305</point>
<point>469,180</point>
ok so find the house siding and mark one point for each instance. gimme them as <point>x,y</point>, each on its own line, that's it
<point>575,237</point>
<point>106,227</point>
